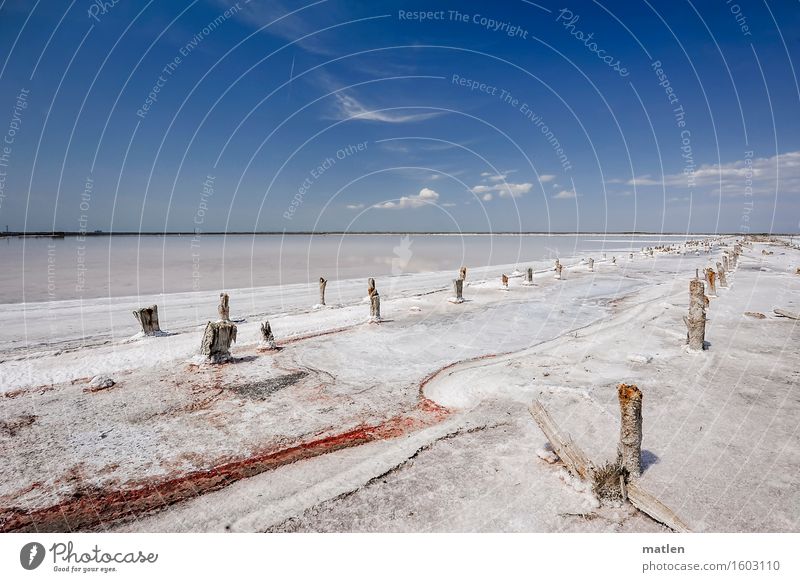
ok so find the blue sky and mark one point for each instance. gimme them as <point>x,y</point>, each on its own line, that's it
<point>365,116</point>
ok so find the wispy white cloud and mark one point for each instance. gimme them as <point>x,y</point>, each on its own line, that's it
<point>547,177</point>
<point>506,190</point>
<point>425,197</point>
<point>487,197</point>
<point>565,195</point>
<point>348,107</point>
<point>764,176</point>
<point>355,206</point>
<point>290,24</point>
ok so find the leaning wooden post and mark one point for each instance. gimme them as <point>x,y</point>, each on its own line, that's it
<point>224,307</point>
<point>530,274</point>
<point>696,322</point>
<point>217,339</point>
<point>504,280</point>
<point>322,283</point>
<point>267,339</point>
<point>458,287</point>
<point>591,264</point>
<point>723,280</point>
<point>148,319</point>
<point>462,273</point>
<point>374,302</point>
<point>629,450</point>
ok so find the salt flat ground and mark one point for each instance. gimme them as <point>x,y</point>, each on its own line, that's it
<point>419,423</point>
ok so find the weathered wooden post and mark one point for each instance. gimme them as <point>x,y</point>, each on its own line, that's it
<point>629,450</point>
<point>530,275</point>
<point>613,260</point>
<point>148,319</point>
<point>696,322</point>
<point>559,268</point>
<point>322,283</point>
<point>725,262</point>
<point>591,264</point>
<point>224,307</point>
<point>723,280</point>
<point>267,339</point>
<point>711,278</point>
<point>458,287</point>
<point>462,273</point>
<point>504,280</point>
<point>217,339</point>
<point>374,302</point>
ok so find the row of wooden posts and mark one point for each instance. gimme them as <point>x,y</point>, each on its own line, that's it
<point>699,301</point>
<point>618,479</point>
<point>219,335</point>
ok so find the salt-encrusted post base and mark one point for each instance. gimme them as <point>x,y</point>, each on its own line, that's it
<point>148,319</point>
<point>711,278</point>
<point>696,321</point>
<point>723,279</point>
<point>267,339</point>
<point>375,308</point>
<point>322,283</point>
<point>458,289</point>
<point>629,450</point>
<point>591,264</point>
<point>224,309</point>
<point>217,339</point>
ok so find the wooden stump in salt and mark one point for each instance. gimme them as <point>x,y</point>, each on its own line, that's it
<point>613,260</point>
<point>711,278</point>
<point>462,273</point>
<point>696,322</point>
<point>217,339</point>
<point>458,287</point>
<point>591,264</point>
<point>375,308</point>
<point>374,301</point>
<point>224,307</point>
<point>723,280</point>
<point>725,263</point>
<point>267,339</point>
<point>504,280</point>
<point>530,274</point>
<point>322,283</point>
<point>559,268</point>
<point>629,450</point>
<point>148,319</point>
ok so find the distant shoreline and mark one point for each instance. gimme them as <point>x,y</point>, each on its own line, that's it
<point>64,234</point>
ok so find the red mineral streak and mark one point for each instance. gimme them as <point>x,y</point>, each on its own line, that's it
<point>90,508</point>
